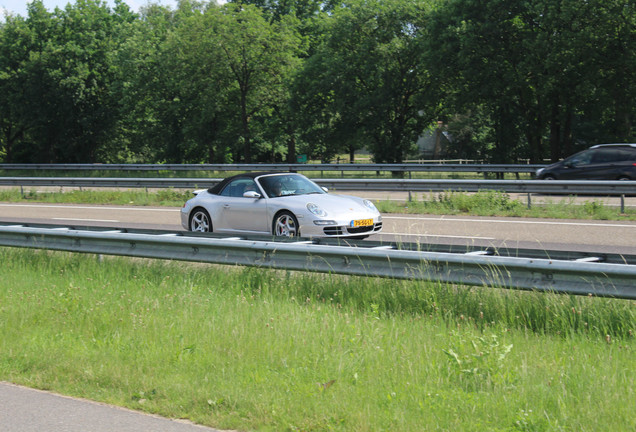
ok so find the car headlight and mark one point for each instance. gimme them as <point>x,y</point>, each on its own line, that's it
<point>314,209</point>
<point>539,171</point>
<point>370,205</point>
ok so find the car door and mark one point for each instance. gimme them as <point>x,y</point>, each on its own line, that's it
<point>605,164</point>
<point>621,164</point>
<point>578,166</point>
<point>239,213</point>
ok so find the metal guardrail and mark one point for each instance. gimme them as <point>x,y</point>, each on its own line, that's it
<point>106,182</point>
<point>580,277</point>
<point>570,187</point>
<point>615,188</point>
<point>404,167</point>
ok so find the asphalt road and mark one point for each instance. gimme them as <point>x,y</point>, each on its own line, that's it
<point>512,233</point>
<point>27,410</point>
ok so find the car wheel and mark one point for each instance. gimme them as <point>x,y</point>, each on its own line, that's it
<point>285,225</point>
<point>549,177</point>
<point>200,221</point>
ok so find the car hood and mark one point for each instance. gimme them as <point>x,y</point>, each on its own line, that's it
<point>554,165</point>
<point>550,167</point>
<point>338,204</point>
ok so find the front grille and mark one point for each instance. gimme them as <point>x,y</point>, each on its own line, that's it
<point>332,230</point>
<point>359,230</point>
<point>341,230</point>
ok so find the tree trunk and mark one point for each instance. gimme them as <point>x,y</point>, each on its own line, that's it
<point>291,150</point>
<point>568,138</point>
<point>555,132</point>
<point>247,144</point>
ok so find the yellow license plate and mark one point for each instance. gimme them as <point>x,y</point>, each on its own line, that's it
<point>361,222</point>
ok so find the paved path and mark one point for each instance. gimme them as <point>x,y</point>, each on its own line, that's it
<point>27,410</point>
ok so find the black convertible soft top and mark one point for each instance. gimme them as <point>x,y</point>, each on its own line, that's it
<point>217,188</point>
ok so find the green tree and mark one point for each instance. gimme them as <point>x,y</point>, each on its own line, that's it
<point>62,109</point>
<point>539,68</point>
<point>260,57</point>
<point>609,105</point>
<point>14,51</point>
<point>367,84</point>
<point>22,42</point>
<point>474,54</point>
<point>150,86</point>
<point>203,81</point>
<point>277,9</point>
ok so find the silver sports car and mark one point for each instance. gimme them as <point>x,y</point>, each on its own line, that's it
<point>281,204</point>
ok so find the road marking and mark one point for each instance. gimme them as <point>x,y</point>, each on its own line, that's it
<point>167,209</point>
<point>535,222</point>
<point>87,220</point>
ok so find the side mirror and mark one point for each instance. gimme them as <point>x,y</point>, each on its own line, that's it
<point>251,194</point>
<point>325,189</point>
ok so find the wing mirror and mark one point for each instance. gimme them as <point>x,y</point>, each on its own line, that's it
<point>325,189</point>
<point>251,194</point>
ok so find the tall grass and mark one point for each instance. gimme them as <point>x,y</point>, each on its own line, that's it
<point>251,349</point>
<point>162,197</point>
<point>493,203</point>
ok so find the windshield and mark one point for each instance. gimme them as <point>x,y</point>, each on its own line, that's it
<point>288,185</point>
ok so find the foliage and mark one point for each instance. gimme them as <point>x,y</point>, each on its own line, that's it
<point>262,80</point>
<point>482,362</point>
<point>493,201</point>
<point>56,69</point>
<point>370,80</point>
<point>537,67</point>
<point>486,203</point>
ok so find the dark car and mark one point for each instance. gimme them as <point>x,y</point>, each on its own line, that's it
<point>599,162</point>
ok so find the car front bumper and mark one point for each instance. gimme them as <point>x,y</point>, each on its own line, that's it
<point>185,218</point>
<point>339,228</point>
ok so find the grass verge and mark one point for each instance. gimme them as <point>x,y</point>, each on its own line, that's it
<point>163,197</point>
<point>493,203</point>
<point>251,349</point>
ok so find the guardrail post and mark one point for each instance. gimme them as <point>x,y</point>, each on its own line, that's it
<point>529,201</point>
<point>623,203</point>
